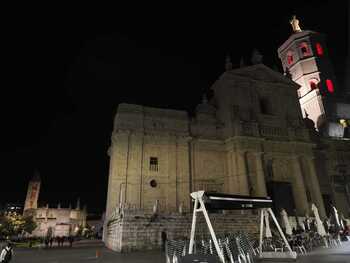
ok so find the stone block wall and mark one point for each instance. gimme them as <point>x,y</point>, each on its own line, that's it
<point>136,230</point>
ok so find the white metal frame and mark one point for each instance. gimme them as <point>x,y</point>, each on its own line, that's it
<point>290,254</point>
<point>198,199</point>
<point>199,206</point>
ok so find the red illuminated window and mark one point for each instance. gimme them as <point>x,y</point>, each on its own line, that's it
<point>330,85</point>
<point>313,84</point>
<point>290,57</point>
<point>319,49</point>
<point>305,49</point>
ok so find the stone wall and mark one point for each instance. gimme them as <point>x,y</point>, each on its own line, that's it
<point>136,230</point>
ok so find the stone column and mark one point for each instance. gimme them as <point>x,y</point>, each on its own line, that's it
<point>183,184</point>
<point>260,190</point>
<point>231,181</point>
<point>170,188</point>
<point>134,169</point>
<point>242,173</point>
<point>117,169</point>
<point>315,188</point>
<point>299,189</point>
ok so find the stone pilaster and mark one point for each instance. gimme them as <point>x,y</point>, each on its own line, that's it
<point>117,170</point>
<point>242,173</point>
<point>172,191</point>
<point>232,180</point>
<point>260,190</point>
<point>299,189</point>
<point>315,188</point>
<point>183,174</point>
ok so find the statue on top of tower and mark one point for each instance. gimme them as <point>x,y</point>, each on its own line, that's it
<point>295,24</point>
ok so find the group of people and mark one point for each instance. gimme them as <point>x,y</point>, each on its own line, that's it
<point>60,240</point>
<point>330,227</point>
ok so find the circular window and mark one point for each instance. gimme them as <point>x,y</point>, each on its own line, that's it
<point>153,183</point>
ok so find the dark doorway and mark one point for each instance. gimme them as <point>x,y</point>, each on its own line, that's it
<point>282,195</point>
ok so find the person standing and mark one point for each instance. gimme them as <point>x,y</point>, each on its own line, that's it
<point>6,254</point>
<point>71,240</point>
<point>164,239</point>
<point>47,241</point>
<point>51,241</point>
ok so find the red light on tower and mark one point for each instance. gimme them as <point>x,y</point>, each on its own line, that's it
<point>330,85</point>
<point>290,58</point>
<point>319,49</point>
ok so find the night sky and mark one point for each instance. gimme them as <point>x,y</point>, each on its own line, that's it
<point>66,72</point>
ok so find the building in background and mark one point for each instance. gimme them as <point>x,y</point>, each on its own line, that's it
<point>56,221</point>
<point>95,222</point>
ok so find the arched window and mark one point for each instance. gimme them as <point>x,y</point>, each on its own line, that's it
<point>313,84</point>
<point>319,49</point>
<point>305,51</point>
<point>330,86</point>
<point>290,58</point>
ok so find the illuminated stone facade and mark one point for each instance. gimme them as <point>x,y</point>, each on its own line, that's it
<point>59,221</point>
<point>249,134</point>
<point>251,138</point>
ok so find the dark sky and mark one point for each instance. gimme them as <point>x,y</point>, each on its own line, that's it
<point>66,72</point>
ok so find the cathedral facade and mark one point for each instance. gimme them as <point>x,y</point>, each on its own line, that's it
<point>56,221</point>
<point>254,137</point>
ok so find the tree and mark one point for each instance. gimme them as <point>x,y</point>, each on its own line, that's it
<point>13,224</point>
<point>29,224</point>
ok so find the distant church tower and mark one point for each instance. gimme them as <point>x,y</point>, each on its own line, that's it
<point>33,192</point>
<point>305,59</point>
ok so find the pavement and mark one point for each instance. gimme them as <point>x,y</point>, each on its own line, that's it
<point>87,252</point>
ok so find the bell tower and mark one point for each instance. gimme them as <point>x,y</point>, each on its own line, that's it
<point>33,192</point>
<point>305,59</point>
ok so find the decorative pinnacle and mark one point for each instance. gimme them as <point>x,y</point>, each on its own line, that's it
<point>204,99</point>
<point>256,57</point>
<point>228,64</point>
<point>241,63</point>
